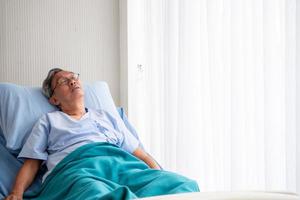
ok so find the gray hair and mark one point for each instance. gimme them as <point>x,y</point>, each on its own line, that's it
<point>46,88</point>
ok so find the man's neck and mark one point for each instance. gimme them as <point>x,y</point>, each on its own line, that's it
<point>76,111</point>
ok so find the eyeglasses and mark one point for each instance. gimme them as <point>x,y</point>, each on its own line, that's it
<point>66,80</point>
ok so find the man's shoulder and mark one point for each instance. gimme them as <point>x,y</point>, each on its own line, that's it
<point>53,113</point>
<point>49,115</point>
<point>99,112</point>
<point>92,110</point>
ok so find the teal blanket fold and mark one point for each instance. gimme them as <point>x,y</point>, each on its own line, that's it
<point>104,171</point>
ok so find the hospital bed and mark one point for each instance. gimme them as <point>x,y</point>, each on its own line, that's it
<point>21,106</point>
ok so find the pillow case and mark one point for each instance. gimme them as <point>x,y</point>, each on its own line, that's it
<point>128,125</point>
<point>21,107</point>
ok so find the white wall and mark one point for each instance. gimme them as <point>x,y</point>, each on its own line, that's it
<point>79,35</point>
<point>298,91</point>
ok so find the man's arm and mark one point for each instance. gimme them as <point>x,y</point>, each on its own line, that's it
<point>24,178</point>
<point>141,154</point>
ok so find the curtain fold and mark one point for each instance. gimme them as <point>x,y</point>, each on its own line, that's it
<point>212,89</point>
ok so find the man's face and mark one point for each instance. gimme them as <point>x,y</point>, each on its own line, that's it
<point>66,88</point>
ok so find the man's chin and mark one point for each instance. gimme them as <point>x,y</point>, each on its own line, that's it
<point>78,94</point>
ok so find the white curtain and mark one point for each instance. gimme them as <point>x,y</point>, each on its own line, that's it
<point>212,89</point>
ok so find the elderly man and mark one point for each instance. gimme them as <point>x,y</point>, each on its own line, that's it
<point>89,154</point>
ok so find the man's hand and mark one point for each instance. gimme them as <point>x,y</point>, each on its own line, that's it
<point>24,178</point>
<point>14,197</point>
<point>141,154</point>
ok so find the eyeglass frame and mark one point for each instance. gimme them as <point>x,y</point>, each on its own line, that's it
<point>66,81</point>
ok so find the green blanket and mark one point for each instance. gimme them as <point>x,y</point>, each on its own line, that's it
<point>104,171</point>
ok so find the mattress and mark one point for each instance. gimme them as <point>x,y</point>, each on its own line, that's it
<point>228,196</point>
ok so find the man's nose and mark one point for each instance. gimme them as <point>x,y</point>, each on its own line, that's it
<point>72,82</point>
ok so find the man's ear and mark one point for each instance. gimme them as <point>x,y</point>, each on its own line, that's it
<point>53,100</point>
